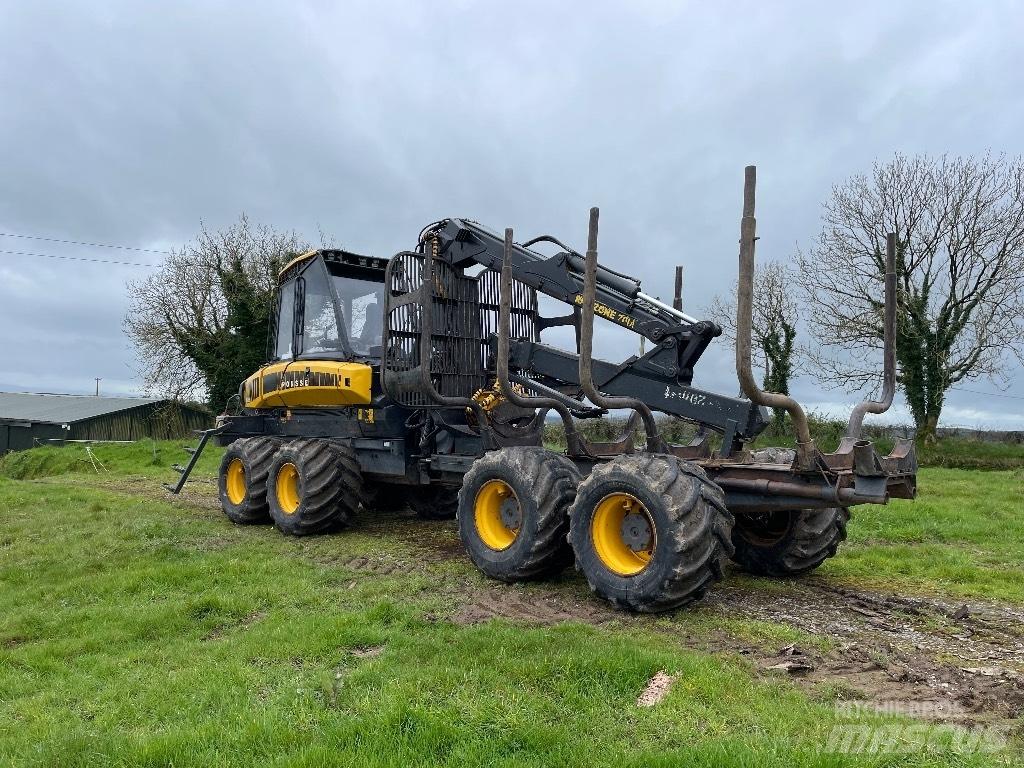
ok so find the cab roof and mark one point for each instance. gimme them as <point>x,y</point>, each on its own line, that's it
<point>367,267</point>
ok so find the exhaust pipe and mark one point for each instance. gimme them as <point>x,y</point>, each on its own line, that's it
<point>856,424</point>
<point>806,450</point>
<point>654,441</point>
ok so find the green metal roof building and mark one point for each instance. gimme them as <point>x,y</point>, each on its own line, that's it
<point>29,419</point>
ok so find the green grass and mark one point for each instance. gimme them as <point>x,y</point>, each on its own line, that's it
<point>958,453</point>
<point>151,458</point>
<point>962,536</point>
<point>136,631</point>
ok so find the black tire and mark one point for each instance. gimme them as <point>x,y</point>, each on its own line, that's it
<point>326,483</point>
<point>253,455</point>
<point>682,536</point>
<point>543,485</point>
<point>380,497</point>
<point>788,543</point>
<point>434,502</point>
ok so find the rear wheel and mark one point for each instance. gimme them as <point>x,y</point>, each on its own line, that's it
<point>650,531</point>
<point>314,485</point>
<point>788,543</point>
<point>513,512</point>
<point>242,480</point>
<point>434,502</point>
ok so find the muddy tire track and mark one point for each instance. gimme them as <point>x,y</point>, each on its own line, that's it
<point>533,607</point>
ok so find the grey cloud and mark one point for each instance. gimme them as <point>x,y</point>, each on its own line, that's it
<point>130,124</point>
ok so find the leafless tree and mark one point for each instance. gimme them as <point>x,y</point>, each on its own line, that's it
<point>959,224</point>
<point>185,300</point>
<point>776,314</point>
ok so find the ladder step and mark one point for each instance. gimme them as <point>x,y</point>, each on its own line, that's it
<point>191,450</point>
<point>171,488</point>
<point>177,468</point>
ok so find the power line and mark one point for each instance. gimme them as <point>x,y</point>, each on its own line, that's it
<point>79,242</point>
<point>79,258</point>
<point>987,394</point>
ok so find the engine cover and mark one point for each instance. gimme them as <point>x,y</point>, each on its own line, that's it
<point>309,384</point>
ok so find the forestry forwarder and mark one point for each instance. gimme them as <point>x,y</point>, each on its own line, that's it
<point>421,380</point>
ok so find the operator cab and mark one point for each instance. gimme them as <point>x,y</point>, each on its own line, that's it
<point>330,306</point>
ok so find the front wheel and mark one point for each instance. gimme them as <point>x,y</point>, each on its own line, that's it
<point>314,485</point>
<point>650,532</point>
<point>242,480</point>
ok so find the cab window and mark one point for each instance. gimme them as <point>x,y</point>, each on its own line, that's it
<point>362,312</point>
<point>320,319</point>
<point>285,321</point>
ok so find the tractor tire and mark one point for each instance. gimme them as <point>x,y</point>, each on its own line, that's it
<point>380,497</point>
<point>242,479</point>
<point>513,512</point>
<point>788,543</point>
<point>434,502</point>
<point>650,532</point>
<point>314,485</point>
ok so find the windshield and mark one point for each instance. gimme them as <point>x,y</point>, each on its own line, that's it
<point>362,312</point>
<point>319,320</point>
<point>337,317</point>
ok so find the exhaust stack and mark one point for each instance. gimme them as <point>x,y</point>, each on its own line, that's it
<point>654,441</point>
<point>806,450</point>
<point>853,429</point>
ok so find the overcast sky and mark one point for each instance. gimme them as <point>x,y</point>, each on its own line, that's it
<point>129,124</point>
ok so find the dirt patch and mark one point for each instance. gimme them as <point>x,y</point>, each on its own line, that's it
<point>379,565</point>
<point>197,494</point>
<point>983,635</point>
<point>544,608</point>
<point>890,676</point>
<point>894,648</point>
<point>656,690</point>
<point>368,652</point>
<point>434,541</point>
<point>246,621</point>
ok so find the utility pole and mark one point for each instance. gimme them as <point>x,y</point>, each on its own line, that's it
<point>98,380</point>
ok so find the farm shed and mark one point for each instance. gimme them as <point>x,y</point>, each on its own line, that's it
<point>26,419</point>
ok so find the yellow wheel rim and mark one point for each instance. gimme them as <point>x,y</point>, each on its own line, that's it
<point>234,481</point>
<point>623,533</point>
<point>497,514</point>
<point>287,486</point>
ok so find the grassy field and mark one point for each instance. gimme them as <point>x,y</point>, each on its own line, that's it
<point>137,630</point>
<point>962,536</point>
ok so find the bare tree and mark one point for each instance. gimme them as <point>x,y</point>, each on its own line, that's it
<point>959,224</point>
<point>185,319</point>
<point>775,317</point>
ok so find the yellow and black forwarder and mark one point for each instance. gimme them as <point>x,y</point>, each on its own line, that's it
<point>423,380</point>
